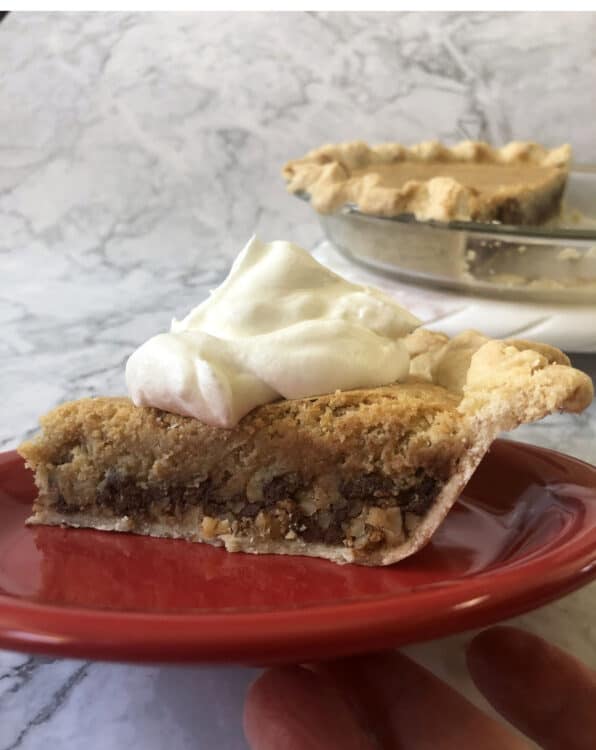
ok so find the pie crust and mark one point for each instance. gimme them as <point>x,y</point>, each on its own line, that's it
<point>360,476</point>
<point>520,183</point>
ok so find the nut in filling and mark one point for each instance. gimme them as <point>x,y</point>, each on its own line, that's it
<point>363,512</point>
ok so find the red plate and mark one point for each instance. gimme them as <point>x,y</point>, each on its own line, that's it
<point>523,533</point>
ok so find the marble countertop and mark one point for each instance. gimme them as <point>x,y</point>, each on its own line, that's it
<point>139,152</point>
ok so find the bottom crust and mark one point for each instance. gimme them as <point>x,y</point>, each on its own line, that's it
<point>170,530</point>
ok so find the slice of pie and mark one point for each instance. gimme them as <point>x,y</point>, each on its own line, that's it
<point>520,183</point>
<point>360,476</point>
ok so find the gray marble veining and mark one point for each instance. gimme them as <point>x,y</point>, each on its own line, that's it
<point>138,152</point>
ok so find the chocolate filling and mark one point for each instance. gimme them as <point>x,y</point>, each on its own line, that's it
<point>381,491</point>
<point>510,211</point>
<point>281,507</point>
<point>282,487</point>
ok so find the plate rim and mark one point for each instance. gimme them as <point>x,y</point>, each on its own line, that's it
<point>264,636</point>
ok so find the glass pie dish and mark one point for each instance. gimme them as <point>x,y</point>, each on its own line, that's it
<point>552,262</point>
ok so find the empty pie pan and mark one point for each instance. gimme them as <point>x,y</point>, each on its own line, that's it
<point>554,262</point>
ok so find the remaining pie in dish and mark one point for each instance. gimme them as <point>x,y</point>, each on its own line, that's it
<point>520,183</point>
<point>361,476</point>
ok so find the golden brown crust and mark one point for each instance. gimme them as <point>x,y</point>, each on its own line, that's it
<point>348,173</point>
<point>424,436</point>
<point>522,380</point>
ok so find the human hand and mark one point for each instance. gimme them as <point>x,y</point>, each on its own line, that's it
<point>387,701</point>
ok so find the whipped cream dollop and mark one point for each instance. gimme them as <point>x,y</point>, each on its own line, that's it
<point>280,325</point>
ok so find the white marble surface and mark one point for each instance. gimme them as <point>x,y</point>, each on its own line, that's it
<point>138,153</point>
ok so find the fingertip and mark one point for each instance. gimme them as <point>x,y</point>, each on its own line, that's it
<point>499,634</point>
<point>543,691</point>
<point>269,681</point>
<point>294,708</point>
<point>500,645</point>
<point>261,699</point>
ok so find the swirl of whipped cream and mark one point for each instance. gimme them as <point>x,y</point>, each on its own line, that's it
<point>280,325</point>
